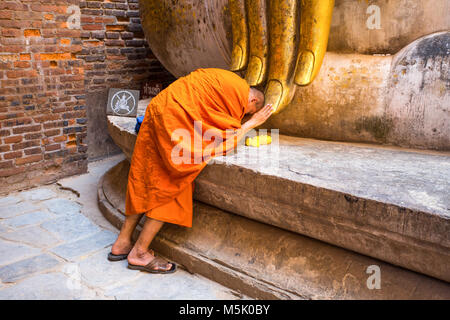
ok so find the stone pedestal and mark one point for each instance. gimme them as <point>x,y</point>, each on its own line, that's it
<point>253,213</point>
<point>266,262</point>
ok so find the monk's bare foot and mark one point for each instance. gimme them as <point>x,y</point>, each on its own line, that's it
<point>143,257</point>
<point>121,247</point>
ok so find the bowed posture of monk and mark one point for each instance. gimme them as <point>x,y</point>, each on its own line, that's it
<point>184,116</point>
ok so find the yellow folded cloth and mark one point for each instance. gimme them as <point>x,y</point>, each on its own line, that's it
<point>257,141</point>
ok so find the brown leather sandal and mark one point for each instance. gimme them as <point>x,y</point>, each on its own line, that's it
<point>155,266</point>
<point>117,257</point>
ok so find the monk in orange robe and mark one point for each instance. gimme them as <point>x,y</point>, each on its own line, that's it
<point>173,145</point>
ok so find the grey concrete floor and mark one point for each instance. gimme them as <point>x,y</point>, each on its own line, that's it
<point>54,242</point>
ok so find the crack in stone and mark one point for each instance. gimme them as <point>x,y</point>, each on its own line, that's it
<point>61,187</point>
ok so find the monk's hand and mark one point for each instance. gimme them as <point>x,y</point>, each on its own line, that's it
<point>261,116</point>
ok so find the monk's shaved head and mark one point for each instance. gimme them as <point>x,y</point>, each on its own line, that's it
<point>255,100</point>
<point>259,95</point>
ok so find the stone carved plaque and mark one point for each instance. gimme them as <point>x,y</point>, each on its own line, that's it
<point>122,102</point>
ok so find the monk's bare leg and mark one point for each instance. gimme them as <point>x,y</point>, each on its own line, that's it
<point>124,243</point>
<point>140,255</point>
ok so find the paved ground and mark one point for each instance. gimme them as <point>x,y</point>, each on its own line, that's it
<point>54,242</point>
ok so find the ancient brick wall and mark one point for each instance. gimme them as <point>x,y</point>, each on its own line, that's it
<point>54,78</point>
<point>114,45</point>
<point>42,103</point>
<point>116,55</point>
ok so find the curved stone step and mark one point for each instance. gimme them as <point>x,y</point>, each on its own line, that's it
<point>389,203</point>
<point>266,262</point>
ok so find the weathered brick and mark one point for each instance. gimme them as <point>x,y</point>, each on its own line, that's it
<point>113,51</point>
<point>11,171</point>
<point>97,26</point>
<point>133,6</point>
<point>122,6</point>
<point>9,83</point>
<point>85,34</point>
<point>116,43</point>
<point>32,136</point>
<point>82,121</point>
<point>93,12</point>
<point>127,35</point>
<point>112,35</point>
<point>134,27</point>
<point>11,32</point>
<point>48,8</point>
<point>22,64</point>
<point>53,132</point>
<point>53,56</point>
<point>5,133</point>
<point>13,74</point>
<point>24,129</point>
<point>53,147</point>
<point>31,151</point>
<point>9,5</point>
<point>26,144</point>
<point>13,41</point>
<point>12,155</point>
<point>6,164</point>
<point>93,4</point>
<point>13,48</point>
<point>108,5</point>
<point>6,14</point>
<point>13,139</point>
<point>134,43</point>
<point>56,154</point>
<point>31,33</point>
<point>17,122</point>
<point>71,78</point>
<point>98,80</point>
<point>29,81</point>
<point>98,35</point>
<point>68,33</point>
<point>116,27</point>
<point>6,58</point>
<point>116,13</point>
<point>93,58</point>
<point>25,56</point>
<point>30,159</point>
<point>55,124</point>
<point>133,13</point>
<point>8,90</point>
<point>60,138</point>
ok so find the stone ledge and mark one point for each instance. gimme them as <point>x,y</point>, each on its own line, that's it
<point>266,262</point>
<point>121,129</point>
<point>385,202</point>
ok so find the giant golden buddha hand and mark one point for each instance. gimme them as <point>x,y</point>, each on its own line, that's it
<point>280,42</point>
<point>373,55</point>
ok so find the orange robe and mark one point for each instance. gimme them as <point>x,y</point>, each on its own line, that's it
<point>159,186</point>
